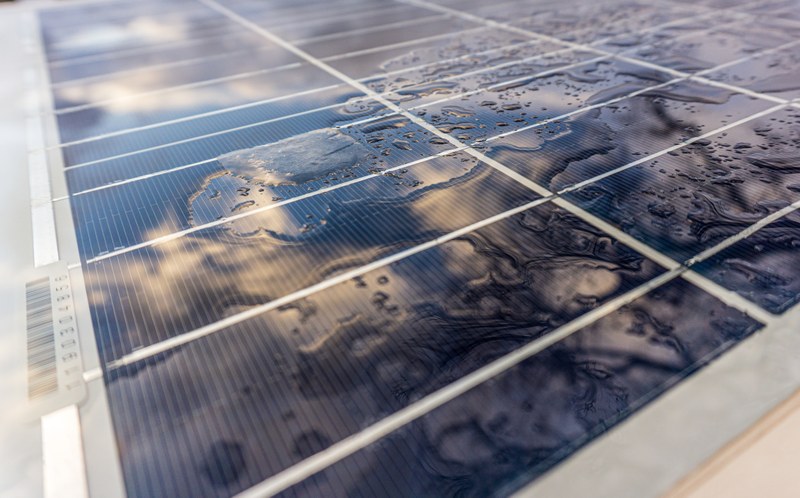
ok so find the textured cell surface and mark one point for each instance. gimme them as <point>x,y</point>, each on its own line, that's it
<point>306,375</point>
<point>688,200</point>
<point>515,426</point>
<point>764,267</point>
<point>296,218</point>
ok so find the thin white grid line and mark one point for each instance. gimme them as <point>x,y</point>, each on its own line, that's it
<point>223,28</point>
<point>346,447</point>
<point>389,93</point>
<point>675,147</point>
<point>329,87</point>
<point>367,78</point>
<point>252,50</point>
<point>134,51</point>
<point>186,86</point>
<point>426,409</point>
<point>461,95</point>
<point>195,116</point>
<point>173,342</point>
<point>382,116</point>
<point>609,56</point>
<point>115,75</point>
<point>219,325</point>
<point>230,29</point>
<point>365,99</point>
<point>202,137</point>
<point>370,29</point>
<point>405,70</point>
<point>234,77</point>
<point>168,15</point>
<point>580,46</point>
<point>228,219</point>
<point>356,122</point>
<point>116,16</point>
<point>256,103</point>
<point>497,165</point>
<point>519,178</point>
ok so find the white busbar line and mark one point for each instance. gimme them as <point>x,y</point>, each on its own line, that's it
<point>533,34</point>
<point>338,451</point>
<point>211,328</point>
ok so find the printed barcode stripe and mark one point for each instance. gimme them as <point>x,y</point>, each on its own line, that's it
<point>42,373</point>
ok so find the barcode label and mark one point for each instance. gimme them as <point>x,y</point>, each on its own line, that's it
<point>42,369</point>
<point>49,355</point>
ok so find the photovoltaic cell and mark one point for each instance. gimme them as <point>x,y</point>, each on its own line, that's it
<point>483,442</point>
<point>275,252</point>
<point>359,351</point>
<point>299,218</point>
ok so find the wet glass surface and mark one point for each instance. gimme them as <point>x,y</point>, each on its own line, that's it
<point>436,55</point>
<point>342,20</point>
<point>302,377</point>
<point>229,267</point>
<point>213,47</point>
<point>586,22</point>
<point>258,56</point>
<point>775,73</point>
<point>763,267</point>
<point>564,153</point>
<point>222,187</point>
<point>427,27</point>
<point>708,49</point>
<point>146,28</point>
<point>688,200</point>
<point>504,107</point>
<point>524,63</point>
<point>512,428</point>
<point>128,141</point>
<point>147,109</point>
<point>207,147</point>
<point>196,207</point>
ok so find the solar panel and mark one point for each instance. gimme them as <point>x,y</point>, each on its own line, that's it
<point>409,247</point>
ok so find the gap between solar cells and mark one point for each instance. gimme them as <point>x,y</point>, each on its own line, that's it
<point>385,426</point>
<point>549,120</point>
<point>687,77</point>
<point>517,177</point>
<point>308,467</point>
<point>508,27</point>
<point>346,55</point>
<point>168,344</point>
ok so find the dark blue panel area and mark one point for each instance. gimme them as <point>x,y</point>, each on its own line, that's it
<point>249,58</point>
<point>764,267</point>
<point>448,56</point>
<point>166,133</point>
<point>131,111</point>
<point>587,22</point>
<point>510,429</point>
<point>563,153</point>
<point>358,41</point>
<point>691,199</point>
<point>127,214</point>
<point>708,49</point>
<point>503,108</point>
<point>251,400</point>
<point>150,294</point>
<point>775,73</point>
<point>212,47</point>
<point>408,93</point>
<point>129,28</point>
<point>207,148</point>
